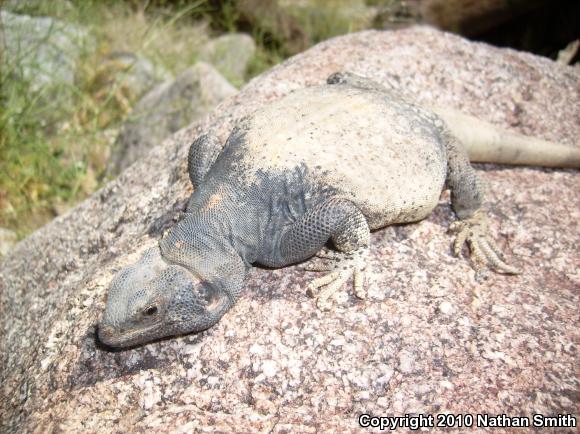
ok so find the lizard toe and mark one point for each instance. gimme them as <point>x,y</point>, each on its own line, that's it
<point>484,250</point>
<point>345,266</point>
<point>488,253</point>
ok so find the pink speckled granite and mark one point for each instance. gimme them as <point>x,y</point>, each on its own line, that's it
<point>428,340</point>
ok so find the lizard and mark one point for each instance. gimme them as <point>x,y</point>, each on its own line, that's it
<point>330,162</point>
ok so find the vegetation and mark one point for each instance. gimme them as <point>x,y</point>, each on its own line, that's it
<point>54,143</point>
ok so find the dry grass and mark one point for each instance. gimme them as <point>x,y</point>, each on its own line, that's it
<point>54,154</point>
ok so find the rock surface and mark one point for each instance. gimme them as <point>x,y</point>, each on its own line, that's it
<point>230,54</point>
<point>132,72</point>
<point>428,340</point>
<point>7,239</point>
<point>37,7</point>
<point>167,108</point>
<point>46,50</point>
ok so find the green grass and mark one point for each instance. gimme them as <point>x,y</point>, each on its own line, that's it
<point>323,19</point>
<point>54,146</point>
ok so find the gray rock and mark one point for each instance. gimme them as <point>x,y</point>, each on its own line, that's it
<point>167,108</point>
<point>135,73</point>
<point>7,239</point>
<point>38,7</point>
<point>42,51</point>
<point>53,285</point>
<point>230,54</point>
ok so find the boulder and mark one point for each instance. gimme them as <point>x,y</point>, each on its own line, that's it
<point>133,72</point>
<point>39,7</point>
<point>230,54</point>
<point>429,339</point>
<point>167,108</point>
<point>40,50</point>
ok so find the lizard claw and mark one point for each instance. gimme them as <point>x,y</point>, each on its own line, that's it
<point>484,250</point>
<point>341,266</point>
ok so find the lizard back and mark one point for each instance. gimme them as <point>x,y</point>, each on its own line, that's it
<point>373,148</point>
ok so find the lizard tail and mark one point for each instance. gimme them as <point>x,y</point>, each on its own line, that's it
<point>486,143</point>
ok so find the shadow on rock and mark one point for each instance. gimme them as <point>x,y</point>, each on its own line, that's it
<point>98,362</point>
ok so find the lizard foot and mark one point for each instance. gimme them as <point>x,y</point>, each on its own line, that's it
<point>341,266</point>
<point>484,250</point>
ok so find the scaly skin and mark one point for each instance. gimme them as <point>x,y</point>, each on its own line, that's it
<point>330,162</point>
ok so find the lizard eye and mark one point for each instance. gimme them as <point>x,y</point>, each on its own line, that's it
<point>150,311</point>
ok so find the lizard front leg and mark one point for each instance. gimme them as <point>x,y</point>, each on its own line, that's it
<point>202,154</point>
<point>341,221</point>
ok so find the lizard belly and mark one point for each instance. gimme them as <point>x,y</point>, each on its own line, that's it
<point>378,153</point>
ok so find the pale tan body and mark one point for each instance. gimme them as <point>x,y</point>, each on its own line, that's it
<point>358,143</point>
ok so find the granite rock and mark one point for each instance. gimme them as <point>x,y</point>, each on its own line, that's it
<point>131,72</point>
<point>7,240</point>
<point>167,108</point>
<point>42,51</point>
<point>230,54</point>
<point>275,362</point>
<point>38,7</point>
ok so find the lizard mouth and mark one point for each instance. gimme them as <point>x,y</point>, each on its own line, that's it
<point>113,338</point>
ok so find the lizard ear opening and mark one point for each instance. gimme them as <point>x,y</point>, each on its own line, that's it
<point>216,301</point>
<point>150,311</point>
<point>213,297</point>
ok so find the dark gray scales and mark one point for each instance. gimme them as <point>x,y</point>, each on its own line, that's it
<point>325,163</point>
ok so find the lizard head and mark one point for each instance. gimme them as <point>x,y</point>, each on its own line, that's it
<point>152,299</point>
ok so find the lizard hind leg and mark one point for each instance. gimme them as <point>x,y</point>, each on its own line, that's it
<point>467,201</point>
<point>341,221</point>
